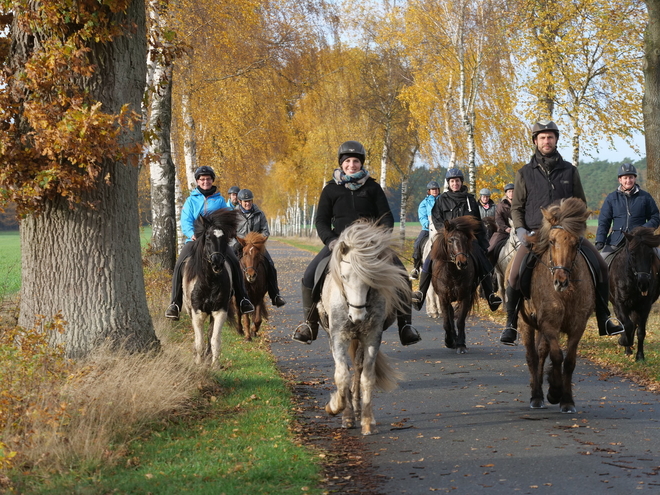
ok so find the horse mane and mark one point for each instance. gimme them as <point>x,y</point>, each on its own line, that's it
<point>643,236</point>
<point>373,250</point>
<point>571,214</point>
<point>467,224</point>
<point>257,240</point>
<point>223,219</point>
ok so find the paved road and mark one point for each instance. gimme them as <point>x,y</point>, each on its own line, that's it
<point>461,423</point>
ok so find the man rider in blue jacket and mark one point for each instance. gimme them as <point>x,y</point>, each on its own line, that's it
<point>624,209</point>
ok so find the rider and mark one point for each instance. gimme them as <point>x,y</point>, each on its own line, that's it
<point>486,205</point>
<point>233,197</point>
<point>202,200</point>
<point>252,219</point>
<point>502,217</point>
<point>546,179</point>
<point>624,209</point>
<point>424,212</point>
<point>349,196</point>
<point>454,203</point>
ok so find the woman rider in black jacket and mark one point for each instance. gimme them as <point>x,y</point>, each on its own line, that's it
<point>349,196</point>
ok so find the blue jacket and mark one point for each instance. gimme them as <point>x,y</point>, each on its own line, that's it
<point>197,205</point>
<point>623,212</point>
<point>424,210</point>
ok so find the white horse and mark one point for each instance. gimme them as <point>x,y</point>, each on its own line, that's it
<point>432,301</point>
<point>360,298</point>
<point>507,253</point>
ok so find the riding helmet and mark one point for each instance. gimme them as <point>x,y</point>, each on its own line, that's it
<point>627,169</point>
<point>544,125</point>
<point>233,190</point>
<point>204,170</point>
<point>245,195</point>
<point>508,187</point>
<point>432,185</point>
<point>351,149</point>
<point>454,173</point>
<point>484,192</point>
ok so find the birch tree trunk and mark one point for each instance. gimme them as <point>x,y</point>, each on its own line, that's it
<point>383,158</point>
<point>84,263</point>
<point>190,138</point>
<point>651,101</point>
<point>404,210</point>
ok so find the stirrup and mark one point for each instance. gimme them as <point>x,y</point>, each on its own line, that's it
<point>246,306</point>
<point>408,335</point>
<point>613,326</point>
<point>278,301</point>
<point>509,336</point>
<point>303,333</point>
<point>494,301</point>
<point>417,300</point>
<point>414,274</point>
<point>172,312</point>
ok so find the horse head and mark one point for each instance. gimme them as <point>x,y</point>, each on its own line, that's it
<point>254,246</point>
<point>640,244</point>
<point>561,235</point>
<point>355,291</point>
<point>214,248</point>
<point>459,234</point>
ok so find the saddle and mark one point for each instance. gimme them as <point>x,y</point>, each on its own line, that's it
<point>609,256</point>
<point>319,278</point>
<point>530,260</point>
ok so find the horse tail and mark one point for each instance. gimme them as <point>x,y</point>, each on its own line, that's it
<point>387,378</point>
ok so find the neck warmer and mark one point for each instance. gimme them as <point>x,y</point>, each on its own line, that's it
<point>548,162</point>
<point>352,181</point>
<point>207,192</point>
<point>629,192</point>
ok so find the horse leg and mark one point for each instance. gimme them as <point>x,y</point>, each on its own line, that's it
<point>448,324</point>
<point>555,375</point>
<point>257,319</point>
<point>460,327</point>
<point>217,321</point>
<point>245,326</point>
<point>198,327</point>
<point>367,381</point>
<point>567,404</point>
<point>641,335</point>
<point>530,338</point>
<point>341,398</point>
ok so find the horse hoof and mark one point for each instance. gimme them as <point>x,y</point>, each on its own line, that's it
<point>537,404</point>
<point>347,425</point>
<point>329,410</point>
<point>461,349</point>
<point>623,340</point>
<point>552,399</point>
<point>568,409</point>
<point>366,430</point>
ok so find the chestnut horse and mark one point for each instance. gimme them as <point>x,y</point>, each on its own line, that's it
<point>253,264</point>
<point>635,286</point>
<point>455,276</point>
<point>562,297</point>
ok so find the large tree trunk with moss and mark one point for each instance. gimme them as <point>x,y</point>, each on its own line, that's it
<point>85,263</point>
<point>651,103</point>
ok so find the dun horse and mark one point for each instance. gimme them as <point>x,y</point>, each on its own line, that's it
<point>635,286</point>
<point>360,298</point>
<point>455,277</point>
<point>561,300</point>
<point>253,263</point>
<point>207,283</point>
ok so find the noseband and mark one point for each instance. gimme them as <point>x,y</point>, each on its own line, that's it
<point>554,268</point>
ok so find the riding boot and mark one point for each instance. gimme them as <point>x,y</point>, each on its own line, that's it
<point>607,324</point>
<point>307,331</point>
<point>238,282</point>
<point>408,335</point>
<point>173,310</point>
<point>273,287</point>
<point>419,295</point>
<point>493,299</point>
<point>510,332</point>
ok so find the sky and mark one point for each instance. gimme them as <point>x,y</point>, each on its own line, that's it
<point>622,151</point>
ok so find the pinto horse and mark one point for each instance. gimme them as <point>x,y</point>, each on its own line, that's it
<point>455,276</point>
<point>360,299</point>
<point>207,282</point>
<point>253,264</point>
<point>635,286</point>
<point>561,300</point>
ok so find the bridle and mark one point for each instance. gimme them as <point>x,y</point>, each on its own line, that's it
<point>636,273</point>
<point>554,268</point>
<point>343,293</point>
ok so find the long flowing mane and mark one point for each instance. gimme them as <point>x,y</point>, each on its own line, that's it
<point>257,240</point>
<point>570,214</point>
<point>643,236</point>
<point>224,220</point>
<point>371,249</point>
<point>468,224</point>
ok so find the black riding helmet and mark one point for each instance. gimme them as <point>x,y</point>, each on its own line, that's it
<point>233,190</point>
<point>432,185</point>
<point>204,170</point>
<point>542,126</point>
<point>627,169</point>
<point>351,149</point>
<point>508,187</point>
<point>245,195</point>
<point>454,173</point>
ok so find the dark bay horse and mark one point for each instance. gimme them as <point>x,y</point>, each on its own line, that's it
<point>561,300</point>
<point>253,264</point>
<point>207,283</point>
<point>635,286</point>
<point>360,298</point>
<point>455,276</point>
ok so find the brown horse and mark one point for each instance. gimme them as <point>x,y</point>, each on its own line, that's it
<point>561,300</point>
<point>635,286</point>
<point>253,263</point>
<point>455,276</point>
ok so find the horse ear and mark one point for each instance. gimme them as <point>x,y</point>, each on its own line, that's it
<point>343,248</point>
<point>629,236</point>
<point>241,241</point>
<point>549,216</point>
<point>447,225</point>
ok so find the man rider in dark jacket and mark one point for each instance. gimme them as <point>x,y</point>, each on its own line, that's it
<point>547,179</point>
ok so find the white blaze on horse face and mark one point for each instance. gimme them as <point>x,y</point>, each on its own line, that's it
<point>218,232</point>
<point>355,291</point>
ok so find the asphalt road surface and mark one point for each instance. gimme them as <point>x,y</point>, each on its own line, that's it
<point>462,423</point>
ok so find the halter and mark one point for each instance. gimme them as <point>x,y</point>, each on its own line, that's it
<point>554,268</point>
<point>343,293</point>
<point>636,273</point>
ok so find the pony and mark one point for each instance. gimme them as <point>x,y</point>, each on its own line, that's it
<point>362,293</point>
<point>562,297</point>
<point>253,263</point>
<point>455,276</point>
<point>506,255</point>
<point>207,281</point>
<point>432,301</point>
<point>635,286</point>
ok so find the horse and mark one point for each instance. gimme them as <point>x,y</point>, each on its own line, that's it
<point>253,263</point>
<point>455,276</point>
<point>561,299</point>
<point>207,282</point>
<point>635,286</point>
<point>506,255</point>
<point>360,298</point>
<point>432,301</point>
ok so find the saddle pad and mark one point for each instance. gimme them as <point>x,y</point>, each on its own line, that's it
<point>319,277</point>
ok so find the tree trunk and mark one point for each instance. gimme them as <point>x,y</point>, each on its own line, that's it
<point>190,139</point>
<point>651,101</point>
<point>404,209</point>
<point>86,263</point>
<point>383,158</point>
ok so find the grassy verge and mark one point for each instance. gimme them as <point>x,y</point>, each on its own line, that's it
<point>10,263</point>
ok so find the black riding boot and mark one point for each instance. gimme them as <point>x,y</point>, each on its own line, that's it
<point>607,324</point>
<point>493,299</point>
<point>419,295</point>
<point>244,304</point>
<point>307,331</point>
<point>510,332</point>
<point>408,335</point>
<point>273,286</point>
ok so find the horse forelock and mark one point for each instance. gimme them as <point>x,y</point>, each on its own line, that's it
<point>570,215</point>
<point>644,236</point>
<point>256,239</point>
